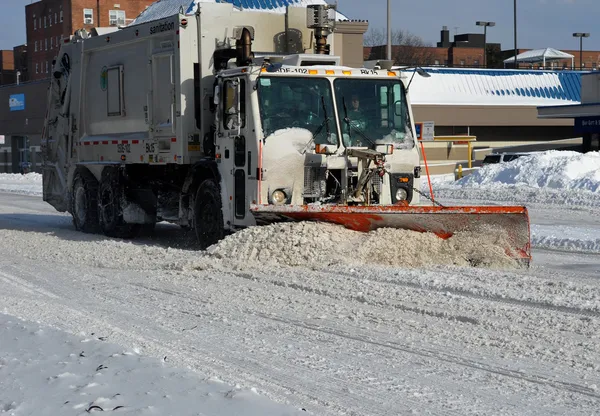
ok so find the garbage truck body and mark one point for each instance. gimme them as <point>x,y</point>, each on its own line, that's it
<point>209,122</point>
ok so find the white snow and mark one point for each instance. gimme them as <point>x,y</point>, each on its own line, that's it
<point>276,319</point>
<point>44,371</point>
<point>29,184</point>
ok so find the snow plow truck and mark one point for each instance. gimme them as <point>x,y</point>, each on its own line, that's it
<point>202,121</point>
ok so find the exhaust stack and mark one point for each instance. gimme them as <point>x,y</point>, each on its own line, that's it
<point>317,18</point>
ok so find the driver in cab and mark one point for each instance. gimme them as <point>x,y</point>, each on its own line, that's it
<point>358,120</point>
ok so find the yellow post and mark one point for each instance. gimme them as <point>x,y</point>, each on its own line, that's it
<point>470,150</point>
<point>460,171</point>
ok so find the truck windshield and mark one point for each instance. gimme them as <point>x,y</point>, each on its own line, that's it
<point>295,102</point>
<point>373,111</point>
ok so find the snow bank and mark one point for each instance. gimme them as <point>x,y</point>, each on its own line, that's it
<point>552,177</point>
<point>30,184</point>
<point>318,244</point>
<point>48,372</point>
<point>561,170</point>
<point>565,238</point>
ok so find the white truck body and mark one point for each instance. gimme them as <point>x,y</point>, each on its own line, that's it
<point>140,117</point>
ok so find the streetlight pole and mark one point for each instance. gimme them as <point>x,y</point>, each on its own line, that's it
<point>581,36</point>
<point>485,26</point>
<point>389,29</point>
<point>516,50</point>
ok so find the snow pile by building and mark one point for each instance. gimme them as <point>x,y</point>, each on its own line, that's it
<point>551,177</point>
<point>560,170</point>
<point>44,371</point>
<point>30,184</point>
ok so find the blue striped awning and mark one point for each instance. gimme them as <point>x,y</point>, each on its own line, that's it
<point>501,87</point>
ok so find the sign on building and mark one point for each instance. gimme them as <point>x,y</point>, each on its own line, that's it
<point>2,140</point>
<point>425,131</point>
<point>587,124</point>
<point>16,102</point>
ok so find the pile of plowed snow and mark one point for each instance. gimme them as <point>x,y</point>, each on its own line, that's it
<point>320,244</point>
<point>563,170</point>
<point>30,184</point>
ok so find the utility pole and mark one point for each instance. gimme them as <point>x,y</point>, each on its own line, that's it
<point>516,50</point>
<point>485,26</point>
<point>581,36</point>
<point>389,29</point>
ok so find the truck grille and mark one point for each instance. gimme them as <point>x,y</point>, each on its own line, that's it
<point>376,181</point>
<point>314,182</point>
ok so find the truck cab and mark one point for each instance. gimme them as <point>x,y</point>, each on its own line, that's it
<point>313,134</point>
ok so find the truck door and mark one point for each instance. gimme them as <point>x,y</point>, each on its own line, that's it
<point>234,145</point>
<point>163,103</point>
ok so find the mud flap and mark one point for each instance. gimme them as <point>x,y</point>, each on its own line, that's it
<point>511,223</point>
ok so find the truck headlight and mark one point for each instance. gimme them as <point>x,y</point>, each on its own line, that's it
<point>278,197</point>
<point>401,194</point>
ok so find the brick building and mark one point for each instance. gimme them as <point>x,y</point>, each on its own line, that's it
<point>48,22</point>
<point>20,59</point>
<point>7,67</point>
<point>467,50</point>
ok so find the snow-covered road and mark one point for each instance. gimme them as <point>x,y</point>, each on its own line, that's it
<point>344,340</point>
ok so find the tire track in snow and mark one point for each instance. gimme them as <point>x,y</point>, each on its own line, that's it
<point>278,379</point>
<point>423,352</point>
<point>25,285</point>
<point>449,358</point>
<point>458,292</point>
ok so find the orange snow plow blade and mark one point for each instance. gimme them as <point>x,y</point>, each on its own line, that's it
<point>511,221</point>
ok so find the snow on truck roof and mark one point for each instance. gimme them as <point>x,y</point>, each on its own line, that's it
<point>165,8</point>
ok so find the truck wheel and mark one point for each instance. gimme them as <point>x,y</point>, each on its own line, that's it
<point>208,214</point>
<point>110,211</point>
<point>84,203</point>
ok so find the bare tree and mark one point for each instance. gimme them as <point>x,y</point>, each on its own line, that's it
<point>374,37</point>
<point>407,48</point>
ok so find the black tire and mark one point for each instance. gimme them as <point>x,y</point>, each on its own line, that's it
<point>110,210</point>
<point>208,214</point>
<point>84,202</point>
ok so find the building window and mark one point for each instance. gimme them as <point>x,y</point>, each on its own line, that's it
<point>51,43</point>
<point>116,17</point>
<point>462,62</point>
<point>88,16</point>
<point>50,20</point>
<point>46,67</point>
<point>36,46</point>
<point>34,23</point>
<point>45,21</point>
<point>37,68</point>
<point>55,18</point>
<point>40,23</point>
<point>61,15</point>
<point>437,62</point>
<point>46,42</point>
<point>476,62</point>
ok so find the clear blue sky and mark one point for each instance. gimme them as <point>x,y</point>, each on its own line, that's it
<point>541,23</point>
